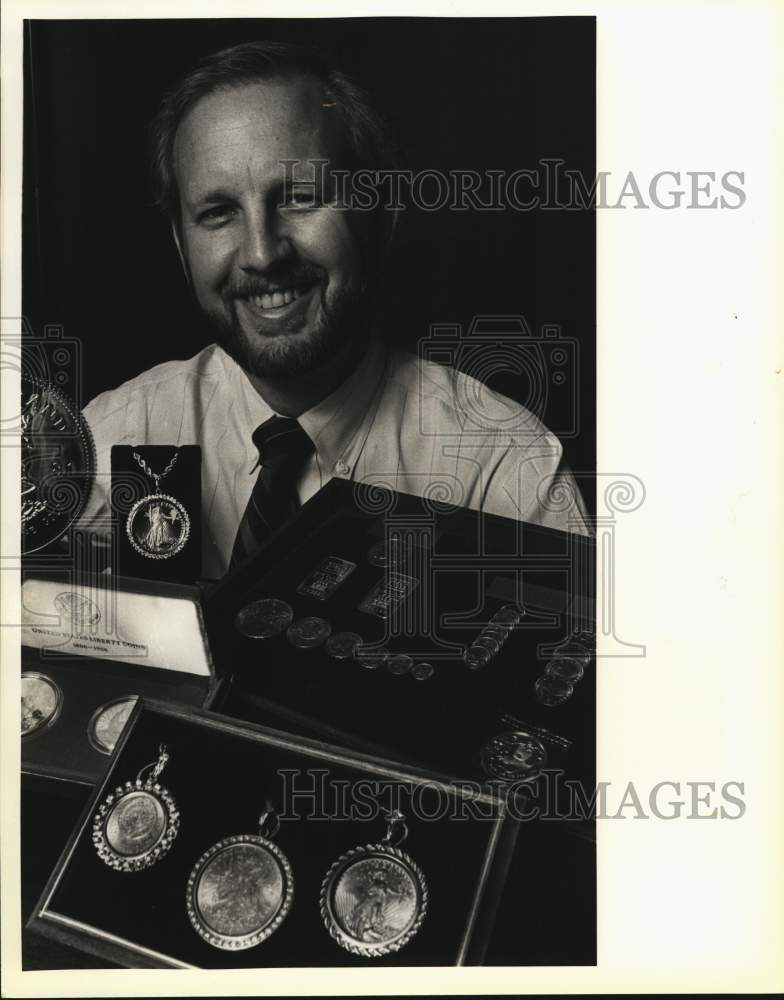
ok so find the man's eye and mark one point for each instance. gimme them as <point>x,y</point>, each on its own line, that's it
<point>216,215</point>
<point>300,200</point>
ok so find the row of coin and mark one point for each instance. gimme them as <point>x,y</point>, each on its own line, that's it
<point>269,617</point>
<point>493,636</point>
<point>566,668</point>
<point>42,701</point>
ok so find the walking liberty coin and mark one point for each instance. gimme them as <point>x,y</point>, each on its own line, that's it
<point>307,633</point>
<point>264,618</point>
<point>136,824</point>
<point>41,702</point>
<point>241,889</point>
<point>108,723</point>
<point>374,898</point>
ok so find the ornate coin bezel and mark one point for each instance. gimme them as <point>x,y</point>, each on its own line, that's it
<point>92,733</point>
<point>58,704</point>
<point>503,745</point>
<point>125,863</point>
<point>368,949</point>
<point>186,526</point>
<point>239,942</point>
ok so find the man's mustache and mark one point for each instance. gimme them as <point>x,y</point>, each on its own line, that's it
<point>303,275</point>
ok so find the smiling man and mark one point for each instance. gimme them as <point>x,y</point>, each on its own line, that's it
<point>300,386</point>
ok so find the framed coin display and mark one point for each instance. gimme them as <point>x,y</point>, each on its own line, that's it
<point>42,700</point>
<point>240,891</point>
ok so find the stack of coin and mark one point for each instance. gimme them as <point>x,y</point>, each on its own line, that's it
<point>566,668</point>
<point>492,637</point>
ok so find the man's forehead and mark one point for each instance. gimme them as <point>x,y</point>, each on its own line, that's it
<point>253,126</point>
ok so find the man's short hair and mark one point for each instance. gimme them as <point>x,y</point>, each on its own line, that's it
<point>368,140</point>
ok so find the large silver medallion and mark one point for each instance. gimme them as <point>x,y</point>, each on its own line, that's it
<point>136,824</point>
<point>514,756</point>
<point>373,900</point>
<point>239,892</point>
<point>158,526</point>
<point>41,702</point>
<point>58,463</point>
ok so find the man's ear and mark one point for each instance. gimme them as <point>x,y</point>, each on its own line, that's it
<point>178,244</point>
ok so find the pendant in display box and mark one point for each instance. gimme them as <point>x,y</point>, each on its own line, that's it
<point>137,823</point>
<point>374,898</point>
<point>240,890</point>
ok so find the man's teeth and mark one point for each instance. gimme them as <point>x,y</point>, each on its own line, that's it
<point>275,299</point>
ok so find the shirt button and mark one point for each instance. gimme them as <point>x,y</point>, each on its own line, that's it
<point>341,468</point>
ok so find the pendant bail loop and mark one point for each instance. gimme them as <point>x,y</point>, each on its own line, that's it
<point>397,830</point>
<point>269,822</point>
<point>158,766</point>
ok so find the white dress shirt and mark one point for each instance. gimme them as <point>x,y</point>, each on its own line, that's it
<point>396,421</point>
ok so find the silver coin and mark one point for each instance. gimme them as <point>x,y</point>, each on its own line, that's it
<point>574,650</point>
<point>497,632</point>
<point>373,900</point>
<point>158,526</point>
<point>136,824</point>
<point>41,702</point>
<point>58,463</point>
<point>399,664</point>
<point>476,657</point>
<point>514,609</point>
<point>507,617</point>
<point>566,668</point>
<point>488,642</point>
<point>371,657</point>
<point>513,756</point>
<point>307,633</point>
<point>108,722</point>
<point>552,690</point>
<point>239,892</point>
<point>423,671</point>
<point>264,618</point>
<point>342,645</point>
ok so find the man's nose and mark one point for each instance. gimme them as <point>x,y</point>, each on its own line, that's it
<point>264,242</point>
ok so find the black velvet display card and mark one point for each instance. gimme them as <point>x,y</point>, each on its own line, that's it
<point>157,527</point>
<point>220,775</point>
<point>466,566</point>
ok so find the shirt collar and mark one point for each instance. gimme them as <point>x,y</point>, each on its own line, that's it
<point>333,424</point>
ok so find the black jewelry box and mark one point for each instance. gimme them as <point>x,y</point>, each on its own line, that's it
<point>92,642</point>
<point>465,566</point>
<point>221,775</point>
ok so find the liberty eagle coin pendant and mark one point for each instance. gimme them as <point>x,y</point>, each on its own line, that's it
<point>241,889</point>
<point>374,898</point>
<point>158,526</point>
<point>136,824</point>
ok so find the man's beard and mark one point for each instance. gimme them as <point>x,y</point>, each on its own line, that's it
<point>342,321</point>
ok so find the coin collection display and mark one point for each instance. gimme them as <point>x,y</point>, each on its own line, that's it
<point>158,525</point>
<point>373,899</point>
<point>566,668</point>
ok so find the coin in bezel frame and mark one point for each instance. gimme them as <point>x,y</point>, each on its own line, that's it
<point>240,891</point>
<point>105,728</point>
<point>50,702</point>
<point>137,823</point>
<point>374,898</point>
<point>176,520</point>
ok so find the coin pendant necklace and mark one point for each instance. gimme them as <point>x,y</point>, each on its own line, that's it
<point>158,525</point>
<point>136,824</point>
<point>374,898</point>
<point>240,890</point>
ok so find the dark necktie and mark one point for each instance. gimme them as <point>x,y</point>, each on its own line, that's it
<point>283,448</point>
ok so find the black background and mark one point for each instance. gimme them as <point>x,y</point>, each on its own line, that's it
<point>483,94</point>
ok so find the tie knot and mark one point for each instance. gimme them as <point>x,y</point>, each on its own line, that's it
<point>281,440</point>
